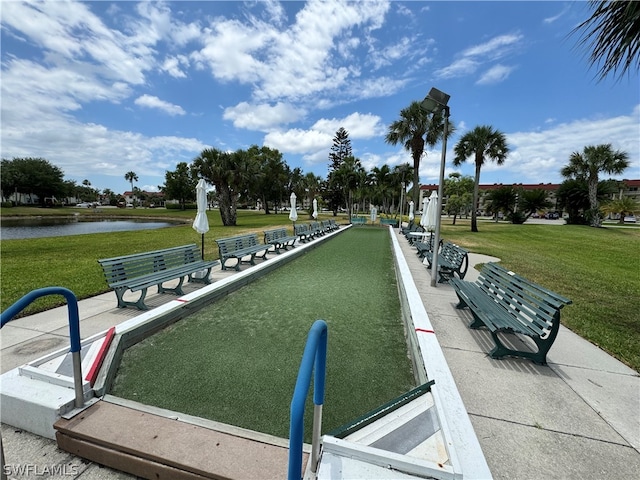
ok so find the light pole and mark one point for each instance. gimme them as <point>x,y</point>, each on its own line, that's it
<point>435,102</point>
<point>401,208</point>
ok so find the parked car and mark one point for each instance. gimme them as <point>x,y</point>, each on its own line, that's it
<point>84,205</point>
<point>630,219</point>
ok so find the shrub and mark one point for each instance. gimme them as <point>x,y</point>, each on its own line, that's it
<point>517,218</point>
<point>177,206</point>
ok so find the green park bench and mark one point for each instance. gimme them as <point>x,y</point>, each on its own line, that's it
<point>451,259</point>
<point>279,238</point>
<point>303,232</point>
<point>316,229</point>
<point>333,225</point>
<point>140,271</point>
<point>505,302</point>
<point>412,228</point>
<point>423,248</point>
<point>239,247</point>
<point>358,220</point>
<point>389,221</point>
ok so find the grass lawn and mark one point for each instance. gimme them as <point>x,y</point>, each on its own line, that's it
<point>599,269</point>
<point>236,361</point>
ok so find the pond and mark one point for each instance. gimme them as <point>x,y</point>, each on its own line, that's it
<point>13,229</point>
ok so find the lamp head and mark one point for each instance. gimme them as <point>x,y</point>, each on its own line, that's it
<point>435,101</point>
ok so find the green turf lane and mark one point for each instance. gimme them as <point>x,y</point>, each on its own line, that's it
<point>236,361</point>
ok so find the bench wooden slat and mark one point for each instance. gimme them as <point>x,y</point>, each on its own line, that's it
<point>505,302</point>
<point>239,247</point>
<point>139,271</point>
<point>451,259</point>
<point>303,232</point>
<point>279,238</point>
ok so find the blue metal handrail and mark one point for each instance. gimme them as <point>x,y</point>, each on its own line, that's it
<point>315,354</point>
<point>74,328</point>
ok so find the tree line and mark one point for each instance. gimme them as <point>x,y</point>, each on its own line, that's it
<point>261,176</point>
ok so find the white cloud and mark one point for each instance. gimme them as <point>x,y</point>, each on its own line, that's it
<point>314,144</point>
<point>459,68</point>
<point>290,63</point>
<point>299,141</point>
<point>172,66</point>
<point>549,150</point>
<point>151,101</point>
<point>74,38</point>
<point>358,125</point>
<point>495,74</point>
<point>262,117</point>
<point>550,20</point>
<point>540,155</point>
<point>495,47</point>
<point>472,58</point>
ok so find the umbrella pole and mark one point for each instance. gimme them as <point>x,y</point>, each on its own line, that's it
<point>203,246</point>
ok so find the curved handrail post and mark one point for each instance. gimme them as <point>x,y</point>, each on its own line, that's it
<point>314,358</point>
<point>74,328</point>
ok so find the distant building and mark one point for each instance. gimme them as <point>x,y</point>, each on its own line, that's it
<point>630,188</point>
<point>145,199</point>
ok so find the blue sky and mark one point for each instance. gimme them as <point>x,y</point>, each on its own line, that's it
<point>103,88</point>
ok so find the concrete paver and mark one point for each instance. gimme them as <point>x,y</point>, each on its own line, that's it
<point>578,417</point>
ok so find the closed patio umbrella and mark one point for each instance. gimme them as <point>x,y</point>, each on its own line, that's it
<point>201,222</point>
<point>411,216</point>
<point>374,214</point>
<point>293,214</point>
<point>423,218</point>
<point>432,212</point>
<point>315,208</point>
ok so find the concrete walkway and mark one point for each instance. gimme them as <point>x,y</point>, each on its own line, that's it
<point>578,417</point>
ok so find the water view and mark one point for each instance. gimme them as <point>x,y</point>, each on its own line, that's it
<point>13,229</point>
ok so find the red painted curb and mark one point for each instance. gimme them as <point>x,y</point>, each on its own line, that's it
<point>97,363</point>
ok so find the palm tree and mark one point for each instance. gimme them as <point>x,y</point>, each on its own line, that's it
<point>131,177</point>
<point>483,141</point>
<point>613,34</point>
<point>347,178</point>
<point>587,166</point>
<point>622,206</point>
<point>414,129</point>
<point>312,184</point>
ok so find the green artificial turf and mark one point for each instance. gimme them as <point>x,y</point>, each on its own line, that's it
<point>236,361</point>
<point>598,268</point>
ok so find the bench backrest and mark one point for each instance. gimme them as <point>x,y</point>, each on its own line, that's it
<point>453,253</point>
<point>525,300</point>
<point>136,265</point>
<point>275,234</point>
<point>233,244</point>
<point>302,228</point>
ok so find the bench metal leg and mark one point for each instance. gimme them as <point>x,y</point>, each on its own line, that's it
<point>138,303</point>
<point>205,279</point>
<point>223,261</point>
<point>444,275</point>
<point>464,266</point>
<point>543,345</point>
<point>177,290</point>
<point>539,357</point>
